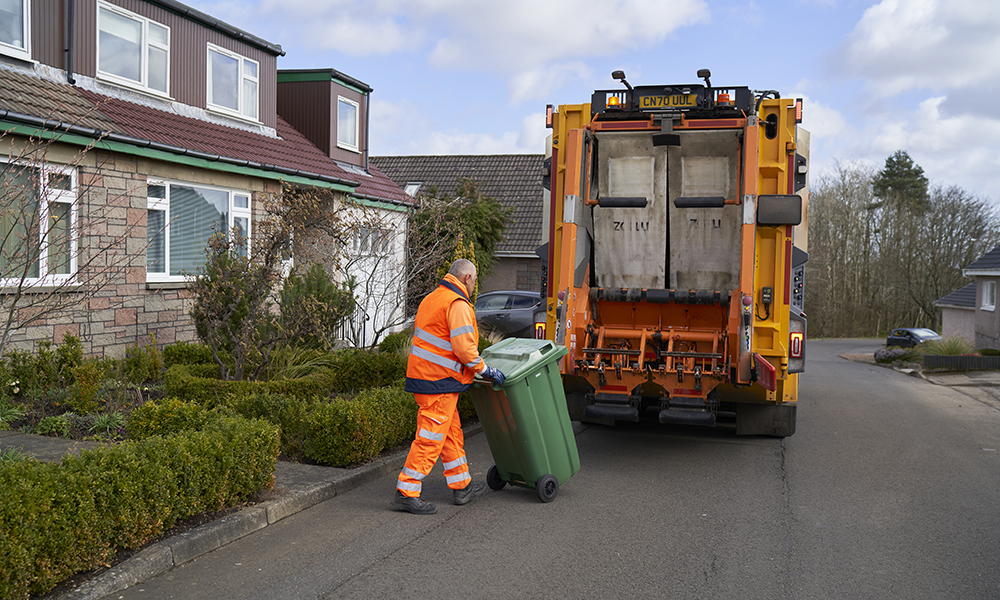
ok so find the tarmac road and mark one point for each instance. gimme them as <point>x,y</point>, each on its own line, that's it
<point>890,488</point>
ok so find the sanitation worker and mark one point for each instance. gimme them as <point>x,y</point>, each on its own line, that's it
<point>443,361</point>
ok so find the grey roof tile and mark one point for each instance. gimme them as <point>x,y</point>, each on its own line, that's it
<point>515,180</point>
<point>988,262</point>
<point>963,298</point>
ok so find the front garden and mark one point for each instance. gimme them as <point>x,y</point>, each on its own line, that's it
<point>176,440</point>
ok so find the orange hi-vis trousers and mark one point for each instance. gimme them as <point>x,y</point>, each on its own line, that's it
<point>439,433</point>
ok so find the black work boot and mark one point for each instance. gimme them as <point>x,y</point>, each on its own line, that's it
<point>468,493</point>
<point>412,505</point>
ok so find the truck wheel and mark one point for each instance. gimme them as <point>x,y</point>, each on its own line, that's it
<point>547,487</point>
<point>494,480</point>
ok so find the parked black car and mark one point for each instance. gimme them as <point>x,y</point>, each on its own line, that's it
<point>909,337</point>
<point>511,313</point>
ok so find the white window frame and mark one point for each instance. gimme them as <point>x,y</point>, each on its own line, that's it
<point>989,295</point>
<point>357,125</point>
<point>47,196</point>
<point>23,53</point>
<point>163,204</point>
<point>146,44</point>
<point>373,242</point>
<point>243,103</point>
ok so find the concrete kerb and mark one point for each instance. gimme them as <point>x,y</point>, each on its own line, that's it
<point>167,554</point>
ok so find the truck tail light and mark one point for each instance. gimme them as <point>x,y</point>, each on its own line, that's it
<point>540,331</point>
<point>796,343</point>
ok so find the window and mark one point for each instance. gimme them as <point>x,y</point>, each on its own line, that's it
<point>14,28</point>
<point>989,297</point>
<point>232,83</point>
<point>37,223</point>
<point>180,220</point>
<point>372,241</point>
<point>347,123</point>
<point>412,187</point>
<point>132,49</point>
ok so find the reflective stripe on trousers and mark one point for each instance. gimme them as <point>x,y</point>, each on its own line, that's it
<point>439,434</point>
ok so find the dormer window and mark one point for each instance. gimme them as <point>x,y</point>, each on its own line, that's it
<point>132,49</point>
<point>14,28</point>
<point>233,83</point>
<point>347,123</point>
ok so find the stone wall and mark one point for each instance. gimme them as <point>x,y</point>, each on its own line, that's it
<point>114,307</point>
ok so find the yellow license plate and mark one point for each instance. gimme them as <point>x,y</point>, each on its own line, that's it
<point>678,101</point>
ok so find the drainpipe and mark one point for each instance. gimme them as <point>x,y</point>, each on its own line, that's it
<point>70,21</point>
<point>368,120</point>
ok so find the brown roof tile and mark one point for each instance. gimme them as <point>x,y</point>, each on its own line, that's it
<point>28,95</point>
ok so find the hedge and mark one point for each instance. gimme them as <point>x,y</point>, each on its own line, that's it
<point>59,519</point>
<point>200,384</point>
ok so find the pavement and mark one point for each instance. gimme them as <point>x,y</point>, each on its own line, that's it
<point>298,487</point>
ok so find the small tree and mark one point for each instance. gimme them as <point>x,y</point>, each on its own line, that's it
<point>435,228</point>
<point>466,251</point>
<point>235,310</point>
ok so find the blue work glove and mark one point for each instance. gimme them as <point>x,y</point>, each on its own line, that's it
<point>494,374</point>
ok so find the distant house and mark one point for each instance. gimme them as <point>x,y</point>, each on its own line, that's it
<point>972,311</point>
<point>958,313</point>
<point>514,180</point>
<point>189,129</point>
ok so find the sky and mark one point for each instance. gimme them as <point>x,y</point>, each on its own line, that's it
<point>474,76</point>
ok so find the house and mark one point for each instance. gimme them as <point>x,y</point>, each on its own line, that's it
<point>514,180</point>
<point>983,292</point>
<point>171,125</point>
<point>958,313</point>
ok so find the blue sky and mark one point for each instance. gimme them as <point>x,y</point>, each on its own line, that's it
<point>474,76</point>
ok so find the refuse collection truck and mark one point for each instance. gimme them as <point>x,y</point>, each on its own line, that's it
<point>674,265</point>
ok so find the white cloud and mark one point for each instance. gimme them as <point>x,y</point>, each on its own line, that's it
<point>960,150</point>
<point>517,39</point>
<point>899,45</point>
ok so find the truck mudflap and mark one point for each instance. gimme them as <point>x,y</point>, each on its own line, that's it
<point>766,419</point>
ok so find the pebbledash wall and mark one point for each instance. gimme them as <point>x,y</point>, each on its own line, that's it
<point>128,309</point>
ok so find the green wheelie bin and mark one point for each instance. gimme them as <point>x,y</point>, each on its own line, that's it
<point>526,421</point>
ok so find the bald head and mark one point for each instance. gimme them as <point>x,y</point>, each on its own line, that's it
<point>462,268</point>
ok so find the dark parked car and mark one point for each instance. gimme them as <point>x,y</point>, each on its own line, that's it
<point>909,337</point>
<point>511,313</point>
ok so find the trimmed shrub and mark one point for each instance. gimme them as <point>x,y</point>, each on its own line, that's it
<point>165,417</point>
<point>186,353</point>
<point>988,352</point>
<point>49,527</point>
<point>57,520</point>
<point>356,370</point>
<point>396,342</point>
<point>285,410</point>
<point>201,384</point>
<point>345,432</point>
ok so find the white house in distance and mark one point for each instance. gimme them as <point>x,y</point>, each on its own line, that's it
<point>971,312</point>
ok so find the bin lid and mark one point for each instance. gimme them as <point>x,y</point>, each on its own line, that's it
<point>518,357</point>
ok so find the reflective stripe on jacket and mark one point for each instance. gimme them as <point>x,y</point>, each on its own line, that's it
<point>444,356</point>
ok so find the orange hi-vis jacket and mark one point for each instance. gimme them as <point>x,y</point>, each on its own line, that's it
<point>445,356</point>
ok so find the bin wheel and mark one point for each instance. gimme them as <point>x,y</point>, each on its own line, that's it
<point>547,488</point>
<point>494,480</point>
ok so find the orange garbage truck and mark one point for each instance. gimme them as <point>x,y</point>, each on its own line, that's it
<point>673,271</point>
